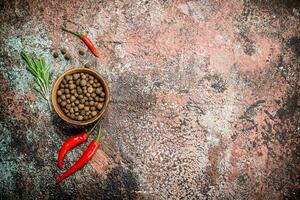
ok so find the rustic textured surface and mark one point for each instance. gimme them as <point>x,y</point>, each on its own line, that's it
<point>205,99</point>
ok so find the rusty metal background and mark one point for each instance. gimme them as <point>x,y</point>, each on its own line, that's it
<point>205,99</point>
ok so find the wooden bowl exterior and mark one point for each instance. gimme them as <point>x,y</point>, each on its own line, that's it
<point>56,87</point>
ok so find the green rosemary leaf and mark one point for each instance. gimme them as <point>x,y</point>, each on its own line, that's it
<point>40,72</point>
<point>40,92</point>
<point>30,64</point>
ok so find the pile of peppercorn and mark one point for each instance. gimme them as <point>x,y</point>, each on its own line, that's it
<point>80,96</point>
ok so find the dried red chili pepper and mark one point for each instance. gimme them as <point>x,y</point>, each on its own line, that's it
<point>73,142</point>
<point>86,40</point>
<point>86,156</point>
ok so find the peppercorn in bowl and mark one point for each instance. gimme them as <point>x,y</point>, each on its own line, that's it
<point>80,96</point>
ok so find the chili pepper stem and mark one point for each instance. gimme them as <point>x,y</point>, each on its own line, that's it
<point>98,136</point>
<point>93,128</point>
<point>74,33</point>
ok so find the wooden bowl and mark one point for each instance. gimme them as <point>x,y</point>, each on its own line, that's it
<point>57,108</point>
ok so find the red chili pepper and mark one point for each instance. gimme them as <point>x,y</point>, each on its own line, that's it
<point>73,142</point>
<point>86,40</point>
<point>86,156</point>
<point>70,144</point>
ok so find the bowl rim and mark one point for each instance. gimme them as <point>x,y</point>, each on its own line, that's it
<point>56,85</point>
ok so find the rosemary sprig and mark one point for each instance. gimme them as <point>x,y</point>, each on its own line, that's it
<point>41,74</point>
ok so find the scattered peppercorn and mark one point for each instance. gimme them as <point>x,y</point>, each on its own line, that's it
<point>82,51</point>
<point>67,56</point>
<point>63,50</point>
<point>87,65</point>
<point>55,54</point>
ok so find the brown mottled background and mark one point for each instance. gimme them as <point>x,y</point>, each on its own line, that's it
<point>204,99</point>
